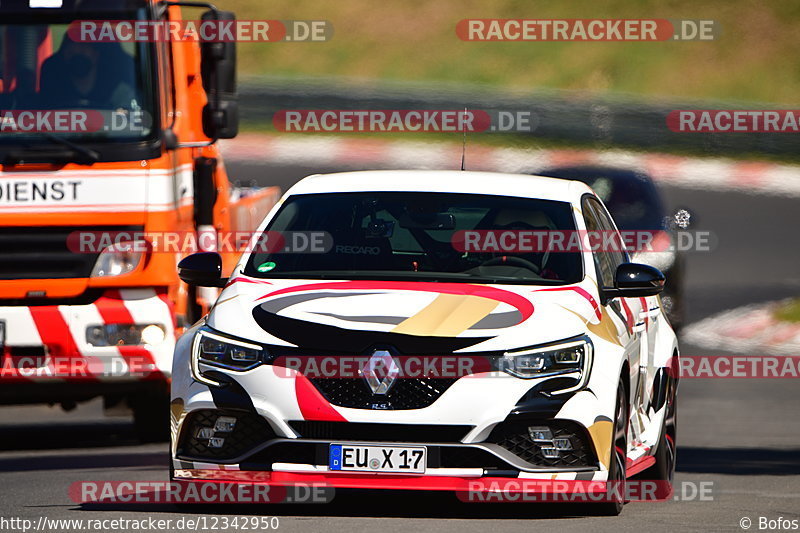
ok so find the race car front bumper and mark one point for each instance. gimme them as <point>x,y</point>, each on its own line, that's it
<point>253,453</point>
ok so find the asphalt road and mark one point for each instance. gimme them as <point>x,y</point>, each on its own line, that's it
<point>743,436</point>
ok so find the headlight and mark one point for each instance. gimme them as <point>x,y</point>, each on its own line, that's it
<point>214,349</point>
<point>565,358</point>
<point>119,258</point>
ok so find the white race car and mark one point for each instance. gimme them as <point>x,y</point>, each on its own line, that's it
<point>404,333</point>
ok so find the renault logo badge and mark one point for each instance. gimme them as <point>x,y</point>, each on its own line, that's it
<point>381,372</point>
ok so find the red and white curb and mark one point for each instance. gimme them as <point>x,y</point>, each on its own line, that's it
<point>713,174</point>
<point>752,330</point>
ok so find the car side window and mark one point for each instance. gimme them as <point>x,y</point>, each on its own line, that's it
<point>606,258</point>
<point>618,253</point>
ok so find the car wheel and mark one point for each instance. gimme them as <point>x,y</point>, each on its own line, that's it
<point>617,469</point>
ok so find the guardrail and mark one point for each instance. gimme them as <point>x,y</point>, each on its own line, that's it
<point>569,117</point>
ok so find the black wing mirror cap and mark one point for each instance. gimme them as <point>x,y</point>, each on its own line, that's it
<point>635,280</point>
<point>203,269</point>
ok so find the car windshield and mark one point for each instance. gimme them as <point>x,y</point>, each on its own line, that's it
<point>54,83</point>
<point>399,235</point>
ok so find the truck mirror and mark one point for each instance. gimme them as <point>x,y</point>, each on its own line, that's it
<point>218,70</point>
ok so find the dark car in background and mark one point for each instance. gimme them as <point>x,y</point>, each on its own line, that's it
<point>636,205</point>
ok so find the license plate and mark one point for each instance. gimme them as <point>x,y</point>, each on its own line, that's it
<point>369,458</point>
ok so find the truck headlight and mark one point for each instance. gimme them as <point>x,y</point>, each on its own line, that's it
<point>570,357</point>
<point>215,349</point>
<point>125,334</point>
<point>119,258</point>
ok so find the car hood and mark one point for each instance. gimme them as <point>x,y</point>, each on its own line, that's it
<point>413,317</point>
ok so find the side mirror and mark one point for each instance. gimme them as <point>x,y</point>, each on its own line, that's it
<point>218,69</point>
<point>634,280</point>
<point>203,269</point>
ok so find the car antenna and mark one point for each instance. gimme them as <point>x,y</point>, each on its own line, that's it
<point>464,143</point>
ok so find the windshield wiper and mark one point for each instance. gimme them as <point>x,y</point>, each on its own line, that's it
<point>90,154</point>
<point>77,153</point>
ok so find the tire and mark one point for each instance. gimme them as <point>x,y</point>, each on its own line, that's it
<point>150,415</point>
<point>617,468</point>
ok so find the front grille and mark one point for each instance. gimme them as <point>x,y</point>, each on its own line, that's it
<point>307,453</point>
<point>467,457</point>
<point>250,431</point>
<point>513,436</point>
<point>43,252</point>
<point>27,352</point>
<point>368,432</point>
<point>304,452</point>
<point>407,393</point>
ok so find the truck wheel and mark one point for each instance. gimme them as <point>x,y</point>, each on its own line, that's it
<point>150,415</point>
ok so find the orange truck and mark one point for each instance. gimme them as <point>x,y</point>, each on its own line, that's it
<point>107,138</point>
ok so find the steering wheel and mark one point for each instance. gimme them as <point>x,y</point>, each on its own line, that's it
<point>512,260</point>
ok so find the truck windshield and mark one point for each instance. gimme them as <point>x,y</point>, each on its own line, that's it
<point>52,83</point>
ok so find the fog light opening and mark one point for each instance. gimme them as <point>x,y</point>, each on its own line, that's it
<point>550,453</point>
<point>205,433</point>
<point>216,442</point>
<point>225,424</point>
<point>540,434</point>
<point>562,444</point>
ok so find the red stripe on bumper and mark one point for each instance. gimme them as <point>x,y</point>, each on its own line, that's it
<point>640,465</point>
<point>54,331</point>
<point>391,482</point>
<point>111,307</point>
